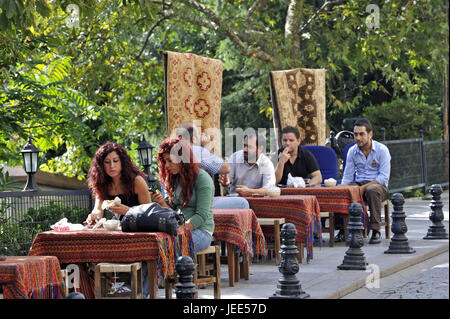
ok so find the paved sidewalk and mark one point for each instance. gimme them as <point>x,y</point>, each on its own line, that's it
<point>321,279</point>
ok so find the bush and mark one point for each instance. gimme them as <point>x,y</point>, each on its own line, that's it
<point>16,237</point>
<point>403,118</point>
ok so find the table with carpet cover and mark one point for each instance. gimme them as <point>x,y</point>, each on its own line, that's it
<point>335,199</point>
<point>301,210</point>
<point>31,277</point>
<point>159,250</point>
<point>240,230</point>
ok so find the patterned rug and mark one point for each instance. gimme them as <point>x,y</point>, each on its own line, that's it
<point>298,99</point>
<point>193,92</point>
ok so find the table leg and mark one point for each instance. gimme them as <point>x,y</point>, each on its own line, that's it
<point>230,261</point>
<point>237,275</point>
<point>277,241</point>
<point>245,268</point>
<point>300,247</point>
<point>152,278</point>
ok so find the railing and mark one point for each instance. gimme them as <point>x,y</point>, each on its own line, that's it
<point>417,164</point>
<point>24,214</point>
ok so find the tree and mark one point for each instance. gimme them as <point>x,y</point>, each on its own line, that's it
<point>116,62</point>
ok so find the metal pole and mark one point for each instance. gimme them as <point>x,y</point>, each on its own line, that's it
<point>423,161</point>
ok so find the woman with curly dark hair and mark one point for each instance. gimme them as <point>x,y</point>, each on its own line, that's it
<point>188,188</point>
<point>112,174</point>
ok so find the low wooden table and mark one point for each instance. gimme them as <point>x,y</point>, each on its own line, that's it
<point>336,200</point>
<point>240,230</point>
<point>159,250</point>
<point>37,277</point>
<point>301,210</point>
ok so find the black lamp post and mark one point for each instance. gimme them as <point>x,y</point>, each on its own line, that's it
<point>30,164</point>
<point>145,156</point>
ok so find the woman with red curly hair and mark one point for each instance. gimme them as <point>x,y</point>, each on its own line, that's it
<point>112,174</point>
<point>188,188</point>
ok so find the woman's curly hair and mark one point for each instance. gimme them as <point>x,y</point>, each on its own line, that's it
<point>98,180</point>
<point>188,170</point>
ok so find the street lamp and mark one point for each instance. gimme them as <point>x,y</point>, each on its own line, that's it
<point>30,163</point>
<point>145,156</point>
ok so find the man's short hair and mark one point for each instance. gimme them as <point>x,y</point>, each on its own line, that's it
<point>291,129</point>
<point>260,139</point>
<point>365,123</point>
<point>189,127</point>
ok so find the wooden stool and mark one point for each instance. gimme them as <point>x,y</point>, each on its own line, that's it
<point>330,228</point>
<point>276,223</point>
<point>135,271</point>
<point>200,276</point>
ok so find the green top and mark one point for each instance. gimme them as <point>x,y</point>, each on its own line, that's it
<point>199,209</point>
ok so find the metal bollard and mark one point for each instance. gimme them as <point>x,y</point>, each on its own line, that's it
<point>399,242</point>
<point>437,229</point>
<point>354,258</point>
<point>288,285</point>
<point>185,288</point>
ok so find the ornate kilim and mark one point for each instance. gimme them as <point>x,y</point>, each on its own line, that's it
<point>113,246</point>
<point>302,211</point>
<point>241,228</point>
<point>193,92</point>
<point>24,277</point>
<point>298,100</point>
<point>331,199</point>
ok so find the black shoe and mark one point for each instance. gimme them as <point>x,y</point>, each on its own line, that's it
<point>376,237</point>
<point>339,237</point>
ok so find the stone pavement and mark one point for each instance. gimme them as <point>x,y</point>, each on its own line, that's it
<point>321,279</point>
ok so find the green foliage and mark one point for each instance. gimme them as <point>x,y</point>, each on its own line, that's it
<point>413,193</point>
<point>74,88</point>
<point>16,237</point>
<point>5,180</point>
<point>403,118</point>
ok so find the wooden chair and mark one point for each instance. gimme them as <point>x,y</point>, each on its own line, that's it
<point>201,276</point>
<point>200,273</point>
<point>330,228</point>
<point>135,271</point>
<point>276,224</point>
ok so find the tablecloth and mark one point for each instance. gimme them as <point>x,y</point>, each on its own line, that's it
<point>241,228</point>
<point>37,277</point>
<point>331,199</point>
<point>301,210</point>
<point>101,245</point>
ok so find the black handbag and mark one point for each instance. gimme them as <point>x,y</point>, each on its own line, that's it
<point>152,218</point>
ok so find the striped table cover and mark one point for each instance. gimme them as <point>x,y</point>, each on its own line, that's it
<point>241,228</point>
<point>103,245</point>
<point>37,277</point>
<point>335,199</point>
<point>303,211</point>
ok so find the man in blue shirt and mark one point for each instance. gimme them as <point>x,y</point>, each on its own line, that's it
<point>369,166</point>
<point>210,163</point>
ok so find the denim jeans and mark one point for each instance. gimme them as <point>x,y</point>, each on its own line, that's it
<point>201,239</point>
<point>230,202</point>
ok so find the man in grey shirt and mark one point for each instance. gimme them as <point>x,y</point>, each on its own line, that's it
<point>252,172</point>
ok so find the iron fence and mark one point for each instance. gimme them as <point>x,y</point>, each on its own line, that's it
<point>417,164</point>
<point>24,214</point>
